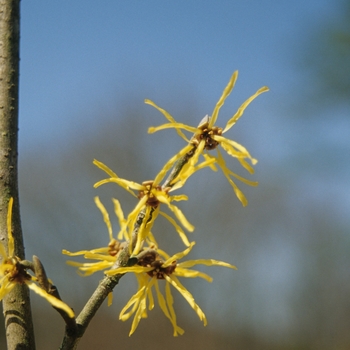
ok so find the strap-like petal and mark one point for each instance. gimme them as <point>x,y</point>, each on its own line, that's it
<point>105,168</point>
<point>167,116</point>
<point>241,109</point>
<point>51,299</point>
<point>191,274</point>
<point>105,216</point>
<point>207,262</point>
<point>222,99</point>
<point>10,241</point>
<point>178,256</point>
<point>176,126</point>
<point>187,295</point>
<point>178,229</point>
<point>171,162</point>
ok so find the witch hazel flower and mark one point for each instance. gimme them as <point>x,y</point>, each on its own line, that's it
<point>155,267</point>
<point>151,195</point>
<point>104,257</point>
<point>207,136</point>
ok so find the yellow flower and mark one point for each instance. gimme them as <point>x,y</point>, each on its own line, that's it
<point>155,265</point>
<point>207,136</point>
<point>106,256</point>
<point>150,194</point>
<point>12,272</point>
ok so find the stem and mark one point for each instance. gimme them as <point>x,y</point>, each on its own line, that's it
<point>16,305</point>
<point>71,339</point>
<point>38,268</point>
<point>73,336</point>
<point>177,168</point>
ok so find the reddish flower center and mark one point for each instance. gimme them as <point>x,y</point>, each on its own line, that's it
<point>153,260</point>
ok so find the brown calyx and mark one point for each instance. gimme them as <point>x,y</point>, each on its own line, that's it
<point>18,272</point>
<point>114,247</point>
<point>153,260</point>
<point>152,200</point>
<point>207,134</point>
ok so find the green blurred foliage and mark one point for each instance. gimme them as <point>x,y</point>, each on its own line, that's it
<point>326,59</point>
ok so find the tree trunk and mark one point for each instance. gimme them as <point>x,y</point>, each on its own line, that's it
<point>16,305</point>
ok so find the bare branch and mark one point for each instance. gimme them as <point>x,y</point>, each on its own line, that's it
<point>16,305</point>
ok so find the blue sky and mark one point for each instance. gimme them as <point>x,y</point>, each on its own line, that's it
<point>77,57</point>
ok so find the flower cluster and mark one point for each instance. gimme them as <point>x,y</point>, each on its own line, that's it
<point>14,271</point>
<point>151,265</point>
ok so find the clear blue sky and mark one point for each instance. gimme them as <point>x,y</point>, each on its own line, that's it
<point>78,56</point>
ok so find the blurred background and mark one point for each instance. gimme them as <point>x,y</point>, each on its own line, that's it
<point>86,68</point>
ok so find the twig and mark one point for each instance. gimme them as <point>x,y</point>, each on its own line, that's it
<point>45,284</point>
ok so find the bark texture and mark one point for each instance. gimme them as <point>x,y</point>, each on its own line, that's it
<point>16,305</point>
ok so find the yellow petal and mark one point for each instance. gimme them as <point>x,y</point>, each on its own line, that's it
<point>238,146</point>
<point>122,235</point>
<point>6,286</point>
<point>141,310</point>
<point>239,194</point>
<point>167,116</point>
<point>51,299</point>
<point>163,254</point>
<point>150,298</point>
<point>105,168</point>
<point>188,170</point>
<point>10,242</point>
<point>208,162</point>
<point>222,99</point>
<point>212,158</point>
<point>178,256</point>
<point>226,171</point>
<point>197,153</point>
<point>170,302</point>
<point>246,165</point>
<point>105,216</point>
<point>90,268</point>
<point>180,272</point>
<point>187,295</point>
<point>178,198</point>
<point>132,217</point>
<point>247,182</point>
<point>207,262</point>
<point>241,109</point>
<point>176,126</point>
<point>135,299</point>
<point>181,217</point>
<point>122,183</point>
<point>81,252</point>
<point>110,298</point>
<point>95,256</point>
<point>134,269</point>
<point>118,212</point>
<point>162,304</point>
<point>144,229</point>
<point>151,239</point>
<point>138,315</point>
<point>170,163</point>
<point>178,229</point>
